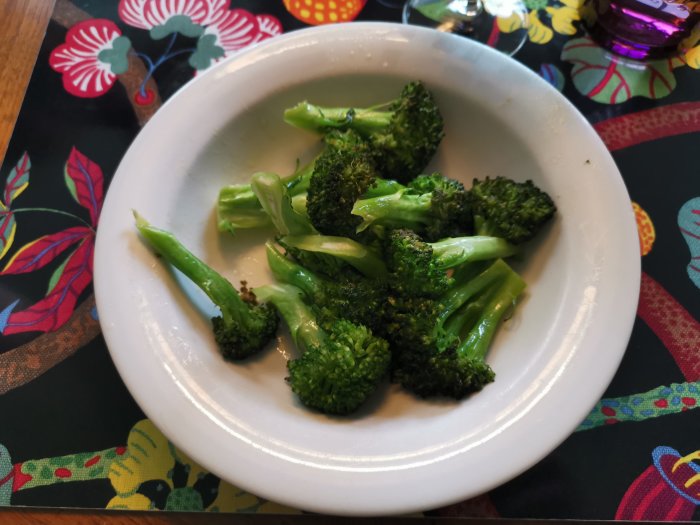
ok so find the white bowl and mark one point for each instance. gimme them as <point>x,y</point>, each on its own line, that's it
<point>553,360</point>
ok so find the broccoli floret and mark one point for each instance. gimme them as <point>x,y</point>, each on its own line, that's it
<point>359,300</point>
<point>449,205</point>
<point>419,268</point>
<point>341,175</point>
<point>273,197</point>
<point>341,364</point>
<point>412,267</point>
<point>512,210</point>
<point>404,133</point>
<point>244,326</point>
<point>445,341</point>
<point>434,206</point>
<point>331,256</point>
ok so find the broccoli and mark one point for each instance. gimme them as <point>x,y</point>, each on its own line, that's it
<point>445,340</point>
<point>404,133</point>
<point>382,187</point>
<point>237,206</point>
<point>512,210</point>
<point>357,299</point>
<point>420,268</point>
<point>433,205</point>
<point>341,175</point>
<point>379,187</point>
<point>244,326</point>
<point>273,196</point>
<point>334,256</point>
<point>341,364</point>
<point>328,266</point>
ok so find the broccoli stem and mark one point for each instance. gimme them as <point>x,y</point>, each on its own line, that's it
<point>291,273</point>
<point>319,119</point>
<point>238,207</point>
<point>304,329</point>
<point>461,293</point>
<point>476,344</point>
<point>399,209</point>
<point>352,252</point>
<point>273,196</point>
<point>298,182</point>
<point>382,187</point>
<point>215,286</point>
<point>455,251</point>
<point>299,204</point>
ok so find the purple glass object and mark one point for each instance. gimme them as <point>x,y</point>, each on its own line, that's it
<point>640,29</point>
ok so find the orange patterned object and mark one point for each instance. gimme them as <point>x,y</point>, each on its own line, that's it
<point>647,233</point>
<point>317,12</point>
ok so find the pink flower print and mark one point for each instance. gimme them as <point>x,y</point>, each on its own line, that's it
<point>269,27</point>
<point>94,53</point>
<point>132,12</point>
<point>165,17</point>
<point>215,10</point>
<point>233,30</point>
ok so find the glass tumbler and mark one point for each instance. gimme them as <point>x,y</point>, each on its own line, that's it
<point>641,29</point>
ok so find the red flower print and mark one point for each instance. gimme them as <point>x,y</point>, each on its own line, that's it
<point>69,279</point>
<point>91,58</point>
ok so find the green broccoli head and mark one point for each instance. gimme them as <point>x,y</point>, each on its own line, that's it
<point>443,374</point>
<point>409,322</point>
<point>359,300</point>
<point>341,174</point>
<point>337,376</point>
<point>415,130</point>
<point>240,338</point>
<point>412,265</point>
<point>511,210</point>
<point>450,206</point>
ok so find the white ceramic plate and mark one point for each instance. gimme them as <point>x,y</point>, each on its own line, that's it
<point>553,360</point>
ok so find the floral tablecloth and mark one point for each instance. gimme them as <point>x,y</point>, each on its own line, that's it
<point>71,435</point>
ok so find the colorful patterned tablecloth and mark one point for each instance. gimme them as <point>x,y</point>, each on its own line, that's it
<point>70,433</point>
